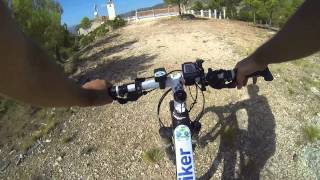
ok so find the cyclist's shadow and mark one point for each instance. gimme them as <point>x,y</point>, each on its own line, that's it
<point>254,144</point>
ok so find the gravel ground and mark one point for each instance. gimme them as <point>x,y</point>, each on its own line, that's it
<point>262,123</point>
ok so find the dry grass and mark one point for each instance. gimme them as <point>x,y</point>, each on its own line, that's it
<point>153,155</point>
<point>312,133</point>
<point>45,129</point>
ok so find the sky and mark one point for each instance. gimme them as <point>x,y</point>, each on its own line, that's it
<point>75,10</point>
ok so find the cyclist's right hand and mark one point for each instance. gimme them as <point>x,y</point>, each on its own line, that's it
<point>246,67</point>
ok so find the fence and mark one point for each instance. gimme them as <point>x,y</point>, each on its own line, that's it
<point>154,13</point>
<point>174,11</point>
<point>209,13</point>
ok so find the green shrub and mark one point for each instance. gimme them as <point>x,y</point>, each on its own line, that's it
<point>5,105</point>
<point>66,53</point>
<point>86,40</point>
<point>245,15</point>
<point>85,23</point>
<point>116,23</point>
<point>100,31</point>
<point>312,133</point>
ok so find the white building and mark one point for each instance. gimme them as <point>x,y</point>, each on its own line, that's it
<point>111,10</point>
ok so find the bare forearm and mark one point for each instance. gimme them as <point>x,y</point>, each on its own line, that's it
<point>28,75</point>
<point>299,38</point>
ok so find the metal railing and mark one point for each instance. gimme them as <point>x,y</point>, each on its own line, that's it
<point>154,13</point>
<point>209,13</point>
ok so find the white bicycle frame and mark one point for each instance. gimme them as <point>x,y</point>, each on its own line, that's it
<point>185,169</point>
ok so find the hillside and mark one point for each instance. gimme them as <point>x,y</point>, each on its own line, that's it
<point>267,137</point>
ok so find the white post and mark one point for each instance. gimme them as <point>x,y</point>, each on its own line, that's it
<point>220,15</point>
<point>184,10</point>
<point>210,14</point>
<point>215,13</point>
<point>192,12</point>
<point>201,13</point>
<point>137,15</point>
<point>224,13</point>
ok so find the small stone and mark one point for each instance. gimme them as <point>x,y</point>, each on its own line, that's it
<point>295,157</point>
<point>315,91</point>
<point>47,141</point>
<point>56,164</point>
<point>59,159</point>
<point>156,166</point>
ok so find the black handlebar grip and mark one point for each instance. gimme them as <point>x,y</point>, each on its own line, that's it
<point>112,92</point>
<point>266,74</point>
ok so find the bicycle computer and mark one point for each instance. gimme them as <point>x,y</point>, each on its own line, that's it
<point>190,73</point>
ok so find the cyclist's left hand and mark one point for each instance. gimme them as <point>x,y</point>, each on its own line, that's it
<point>100,91</point>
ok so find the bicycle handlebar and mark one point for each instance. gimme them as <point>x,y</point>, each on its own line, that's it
<point>220,79</point>
<point>192,74</point>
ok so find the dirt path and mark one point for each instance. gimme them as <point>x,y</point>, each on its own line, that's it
<point>110,142</point>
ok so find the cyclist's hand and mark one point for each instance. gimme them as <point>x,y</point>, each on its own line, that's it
<point>100,91</point>
<point>246,67</point>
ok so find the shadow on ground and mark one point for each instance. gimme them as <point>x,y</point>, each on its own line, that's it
<point>118,69</point>
<point>253,145</point>
<point>109,51</point>
<point>115,69</point>
<point>100,42</point>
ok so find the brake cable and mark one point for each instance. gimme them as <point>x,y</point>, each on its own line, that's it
<point>203,104</point>
<point>159,107</point>
<point>199,116</point>
<point>177,70</point>
<point>194,99</point>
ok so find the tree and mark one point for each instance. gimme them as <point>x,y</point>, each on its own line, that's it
<point>254,5</point>
<point>85,23</point>
<point>231,6</point>
<point>215,4</point>
<point>271,6</point>
<point>43,24</point>
<point>286,9</point>
<point>197,6</point>
<point>180,3</point>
